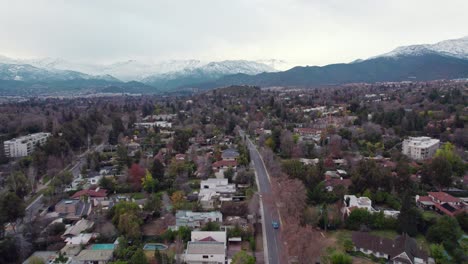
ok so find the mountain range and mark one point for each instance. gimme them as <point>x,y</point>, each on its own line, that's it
<point>443,60</point>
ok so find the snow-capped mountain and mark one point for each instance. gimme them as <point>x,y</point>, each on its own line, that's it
<point>457,48</point>
<point>205,73</point>
<point>134,70</point>
<point>29,73</point>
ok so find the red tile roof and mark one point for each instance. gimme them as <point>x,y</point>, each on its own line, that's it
<point>208,239</point>
<point>424,199</point>
<point>335,182</point>
<point>97,193</point>
<point>225,163</point>
<point>444,197</point>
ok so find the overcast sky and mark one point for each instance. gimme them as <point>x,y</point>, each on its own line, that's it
<point>303,32</point>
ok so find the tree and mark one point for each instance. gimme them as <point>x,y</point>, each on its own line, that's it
<point>11,207</point>
<point>287,143</point>
<point>136,175</point>
<point>139,257</point>
<point>242,257</point>
<point>211,226</point>
<point>270,143</point>
<point>148,182</point>
<point>357,218</point>
<point>107,184</point>
<point>153,204</point>
<point>9,252</point>
<point>462,219</point>
<point>18,183</point>
<point>229,173</point>
<point>438,253</point>
<point>448,152</point>
<point>178,199</point>
<point>62,180</point>
<point>409,216</point>
<point>157,170</point>
<point>129,225</point>
<point>442,172</point>
<point>181,140</point>
<point>446,231</point>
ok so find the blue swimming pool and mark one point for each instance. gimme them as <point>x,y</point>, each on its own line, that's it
<point>102,246</point>
<point>154,246</point>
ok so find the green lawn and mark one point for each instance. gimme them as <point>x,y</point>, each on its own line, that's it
<point>390,234</point>
<point>138,196</point>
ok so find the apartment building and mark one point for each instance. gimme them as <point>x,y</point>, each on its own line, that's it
<point>25,145</point>
<point>420,148</point>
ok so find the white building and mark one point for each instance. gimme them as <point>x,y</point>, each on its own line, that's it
<point>161,124</point>
<point>215,189</point>
<point>206,247</point>
<point>352,202</point>
<point>196,219</point>
<point>25,145</point>
<point>205,253</point>
<point>420,148</point>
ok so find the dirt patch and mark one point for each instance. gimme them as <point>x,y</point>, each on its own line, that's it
<point>158,226</point>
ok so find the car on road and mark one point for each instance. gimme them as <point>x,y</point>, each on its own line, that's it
<point>275,224</point>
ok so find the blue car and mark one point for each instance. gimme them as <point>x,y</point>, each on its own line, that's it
<point>275,224</point>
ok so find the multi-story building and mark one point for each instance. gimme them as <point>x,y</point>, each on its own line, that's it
<point>420,148</point>
<point>196,219</point>
<point>212,190</point>
<point>25,145</point>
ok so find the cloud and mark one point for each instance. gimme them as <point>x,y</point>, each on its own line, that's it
<point>300,31</point>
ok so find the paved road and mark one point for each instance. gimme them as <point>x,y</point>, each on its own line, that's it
<point>33,208</point>
<point>273,243</point>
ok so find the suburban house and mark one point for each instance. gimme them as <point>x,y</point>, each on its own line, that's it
<point>196,219</point>
<point>224,164</point>
<point>441,202</point>
<point>331,183</point>
<point>230,154</point>
<point>215,189</point>
<point>91,194</point>
<point>93,256</point>
<point>309,133</point>
<point>205,252</point>
<point>73,209</point>
<point>218,236</point>
<point>45,256</point>
<point>403,249</point>
<point>206,247</point>
<point>79,227</point>
<point>352,202</point>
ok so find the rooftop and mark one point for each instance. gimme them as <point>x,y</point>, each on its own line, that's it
<point>95,255</point>
<point>205,247</point>
<point>444,197</point>
<point>421,141</point>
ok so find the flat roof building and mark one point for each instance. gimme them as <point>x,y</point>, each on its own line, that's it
<point>25,145</point>
<point>420,148</point>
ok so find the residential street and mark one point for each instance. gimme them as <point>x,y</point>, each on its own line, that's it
<point>273,243</point>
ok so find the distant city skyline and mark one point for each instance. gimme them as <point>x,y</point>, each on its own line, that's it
<point>299,32</point>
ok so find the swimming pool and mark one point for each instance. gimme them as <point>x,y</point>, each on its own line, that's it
<point>102,247</point>
<point>154,246</point>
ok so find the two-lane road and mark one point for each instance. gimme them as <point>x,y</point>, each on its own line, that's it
<point>273,242</point>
